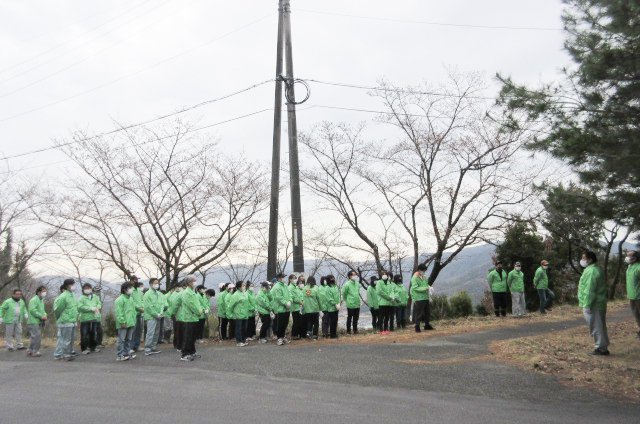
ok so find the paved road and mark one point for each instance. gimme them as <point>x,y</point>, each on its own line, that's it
<point>308,383</point>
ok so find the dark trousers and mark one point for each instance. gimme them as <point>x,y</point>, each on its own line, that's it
<point>265,319</point>
<point>178,334</point>
<point>200,329</point>
<point>88,335</point>
<point>385,317</point>
<point>324,324</point>
<point>333,324</point>
<point>99,333</point>
<point>500,303</point>
<point>313,322</point>
<point>352,319</point>
<point>232,327</point>
<point>375,318</point>
<point>546,296</point>
<point>189,338</point>
<point>283,321</point>
<point>251,326</point>
<point>421,313</point>
<point>138,331</point>
<point>298,329</point>
<point>241,330</point>
<point>400,312</point>
<point>224,322</point>
<point>274,325</point>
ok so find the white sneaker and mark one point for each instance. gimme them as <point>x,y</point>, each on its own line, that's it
<point>280,342</point>
<point>239,344</point>
<point>86,352</point>
<point>263,340</point>
<point>286,341</point>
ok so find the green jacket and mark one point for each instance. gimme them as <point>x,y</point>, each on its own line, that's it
<point>238,306</point>
<point>386,293</point>
<point>85,303</point>
<point>633,281</point>
<point>497,281</point>
<point>592,289</point>
<point>401,294</point>
<point>36,310</point>
<point>205,302</point>
<point>175,300</point>
<point>372,298</point>
<point>351,294</point>
<point>222,309</point>
<point>125,311</point>
<point>419,288</point>
<point>332,293</point>
<point>515,281</point>
<point>65,308</point>
<point>311,299</point>
<point>8,308</point>
<point>153,303</point>
<point>190,308</point>
<point>322,295</point>
<point>137,300</point>
<point>280,295</point>
<point>263,304</point>
<point>540,279</point>
<point>252,300</point>
<point>296,297</point>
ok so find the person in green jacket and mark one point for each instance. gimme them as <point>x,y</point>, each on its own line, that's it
<point>351,296</point>
<point>173,302</point>
<point>263,306</point>
<point>633,284</point>
<point>298,329</point>
<point>541,283</point>
<point>251,322</point>
<point>515,283</point>
<point>124,310</point>
<point>89,311</point>
<point>592,298</point>
<point>37,318</point>
<point>138,286</point>
<point>238,306</point>
<point>99,333</point>
<point>281,304</point>
<point>65,309</point>
<point>200,290</point>
<point>372,301</point>
<point>223,321</point>
<point>403,299</point>
<point>324,305</point>
<point>189,312</point>
<point>311,296</point>
<point>333,305</point>
<point>497,280</point>
<point>12,312</point>
<point>386,294</point>
<point>153,304</point>
<point>419,289</point>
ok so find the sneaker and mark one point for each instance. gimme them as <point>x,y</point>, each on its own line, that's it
<point>28,353</point>
<point>100,346</point>
<point>286,341</point>
<point>196,356</point>
<point>57,358</point>
<point>21,348</point>
<point>132,356</point>
<point>241,344</point>
<point>280,342</point>
<point>263,341</point>
<point>120,358</point>
<point>86,352</point>
<point>10,349</point>
<point>429,327</point>
<point>187,358</point>
<point>598,352</point>
<point>74,353</point>
<point>36,355</point>
<point>69,358</point>
<point>131,351</point>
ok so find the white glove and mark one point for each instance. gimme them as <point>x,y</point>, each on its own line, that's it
<point>159,316</point>
<point>338,306</point>
<point>288,305</point>
<point>94,309</point>
<point>26,316</point>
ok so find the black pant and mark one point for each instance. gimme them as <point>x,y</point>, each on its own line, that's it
<point>299,328</point>
<point>266,323</point>
<point>223,328</point>
<point>241,330</point>
<point>283,321</point>
<point>99,333</point>
<point>375,318</point>
<point>200,329</point>
<point>88,335</point>
<point>274,325</point>
<point>352,317</point>
<point>232,327</point>
<point>324,324</point>
<point>313,321</point>
<point>189,338</point>
<point>500,303</point>
<point>421,313</point>
<point>178,334</point>
<point>333,324</point>
<point>400,312</point>
<point>251,326</point>
<point>385,317</point>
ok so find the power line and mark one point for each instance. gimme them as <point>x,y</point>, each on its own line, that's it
<point>430,23</point>
<point>137,72</point>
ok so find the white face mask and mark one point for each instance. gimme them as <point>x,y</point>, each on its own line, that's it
<point>545,266</point>
<point>155,286</point>
<point>87,291</point>
<point>384,277</point>
<point>518,268</point>
<point>629,259</point>
<point>355,278</point>
<point>584,263</point>
<point>72,288</point>
<point>129,291</point>
<point>43,295</point>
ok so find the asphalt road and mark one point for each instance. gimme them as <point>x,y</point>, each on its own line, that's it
<point>308,383</point>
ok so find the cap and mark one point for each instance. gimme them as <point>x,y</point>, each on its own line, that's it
<point>544,262</point>
<point>517,264</point>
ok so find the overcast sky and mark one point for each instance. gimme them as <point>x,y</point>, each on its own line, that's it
<point>69,64</point>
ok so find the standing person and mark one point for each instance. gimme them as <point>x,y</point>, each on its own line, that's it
<point>12,312</point>
<point>200,291</point>
<point>403,299</point>
<point>385,291</point>
<point>65,309</point>
<point>420,295</point>
<point>153,304</point>
<point>515,284</point>
<point>189,313</point>
<point>208,295</point>
<point>322,293</point>
<point>137,299</point>
<point>333,305</point>
<point>89,311</point>
<point>251,322</point>
<point>99,332</point>
<point>297,329</point>
<point>374,307</point>
<point>592,298</point>
<point>173,300</point>
<point>37,318</point>
<point>125,315</point>
<point>222,311</point>
<point>281,305</point>
<point>633,284</point>
<point>263,306</point>
<point>238,306</point>
<point>497,279</point>
<point>311,308</point>
<point>351,296</point>
<point>541,283</point>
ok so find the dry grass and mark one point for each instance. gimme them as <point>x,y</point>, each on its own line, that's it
<point>563,354</point>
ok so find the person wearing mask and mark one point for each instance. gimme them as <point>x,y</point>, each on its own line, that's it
<point>208,295</point>
<point>89,312</point>
<point>497,279</point>
<point>137,299</point>
<point>385,291</point>
<point>420,294</point>
<point>295,288</point>
<point>374,307</point>
<point>173,305</point>
<point>351,296</point>
<point>153,304</point>
<point>281,305</point>
<point>238,307</point>
<point>322,293</point>
<point>124,309</point>
<point>633,284</point>
<point>515,284</point>
<point>251,322</point>
<point>263,306</point>
<point>333,305</point>
<point>99,331</point>
<point>311,301</point>
<point>403,299</point>
<point>189,312</point>
<point>200,290</point>
<point>12,312</point>
<point>65,309</point>
<point>541,283</point>
<point>37,319</point>
<point>222,311</point>
<point>592,298</point>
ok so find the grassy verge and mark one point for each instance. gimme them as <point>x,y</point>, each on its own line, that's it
<point>563,354</point>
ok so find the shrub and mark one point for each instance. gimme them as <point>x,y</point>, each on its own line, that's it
<point>461,305</point>
<point>481,310</point>
<point>439,307</point>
